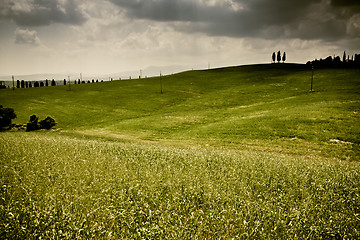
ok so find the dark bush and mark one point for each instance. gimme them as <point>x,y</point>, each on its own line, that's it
<point>47,123</point>
<point>6,115</point>
<point>33,124</point>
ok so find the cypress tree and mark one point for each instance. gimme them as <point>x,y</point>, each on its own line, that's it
<point>278,56</point>
<point>273,57</point>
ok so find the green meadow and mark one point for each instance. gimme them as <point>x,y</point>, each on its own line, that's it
<point>244,152</point>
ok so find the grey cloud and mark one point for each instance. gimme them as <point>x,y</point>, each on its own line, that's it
<point>173,10</point>
<point>25,36</point>
<point>304,19</point>
<point>41,12</point>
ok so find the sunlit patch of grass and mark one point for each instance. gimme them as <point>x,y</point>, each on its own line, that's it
<point>56,186</point>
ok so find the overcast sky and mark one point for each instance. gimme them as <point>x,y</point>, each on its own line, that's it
<point>109,36</point>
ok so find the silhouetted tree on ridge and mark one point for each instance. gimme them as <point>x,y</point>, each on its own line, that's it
<point>273,57</point>
<point>278,58</point>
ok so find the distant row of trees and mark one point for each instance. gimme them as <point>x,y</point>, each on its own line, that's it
<point>46,83</point>
<point>336,62</point>
<point>277,57</point>
<point>29,84</point>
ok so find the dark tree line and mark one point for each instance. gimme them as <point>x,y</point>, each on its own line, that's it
<point>30,84</point>
<point>278,57</point>
<point>336,62</point>
<point>46,83</point>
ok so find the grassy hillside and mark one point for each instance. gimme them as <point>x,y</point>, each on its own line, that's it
<point>233,153</point>
<point>266,107</point>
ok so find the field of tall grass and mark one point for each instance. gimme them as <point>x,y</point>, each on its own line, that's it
<point>243,152</point>
<point>56,186</point>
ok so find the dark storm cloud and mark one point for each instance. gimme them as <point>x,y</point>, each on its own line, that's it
<point>345,2</point>
<point>304,19</point>
<point>41,12</point>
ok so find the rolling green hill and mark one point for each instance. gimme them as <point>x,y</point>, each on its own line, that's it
<point>266,107</point>
<point>232,153</point>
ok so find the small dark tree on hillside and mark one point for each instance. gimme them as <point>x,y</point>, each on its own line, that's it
<point>17,84</point>
<point>284,57</point>
<point>344,57</point>
<point>46,83</point>
<point>357,60</point>
<point>36,84</point>
<point>337,61</point>
<point>22,84</point>
<point>41,84</point>
<point>278,56</point>
<point>6,115</point>
<point>53,83</point>
<point>64,81</point>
